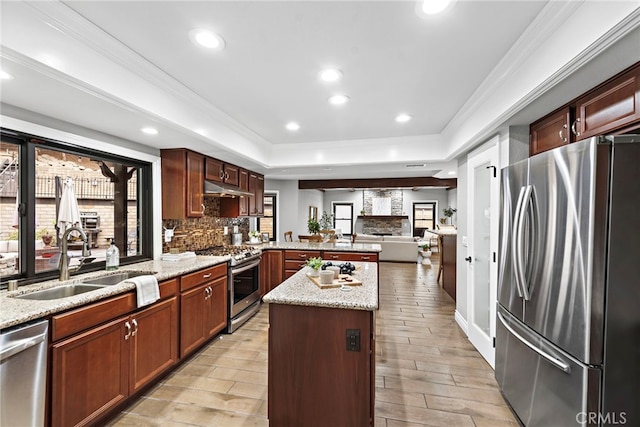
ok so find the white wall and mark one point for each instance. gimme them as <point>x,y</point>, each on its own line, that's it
<point>440,196</point>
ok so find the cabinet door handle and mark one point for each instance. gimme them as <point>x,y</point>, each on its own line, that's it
<point>210,292</point>
<point>206,276</point>
<point>561,133</point>
<point>135,327</point>
<point>573,127</point>
<point>128,334</point>
<point>226,176</point>
<point>221,174</point>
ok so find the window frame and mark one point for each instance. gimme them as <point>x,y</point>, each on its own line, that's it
<point>434,205</point>
<point>352,219</point>
<point>274,216</point>
<point>28,143</point>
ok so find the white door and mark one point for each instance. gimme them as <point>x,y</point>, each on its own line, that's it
<point>483,201</point>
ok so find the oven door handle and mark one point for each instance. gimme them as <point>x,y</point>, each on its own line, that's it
<point>245,267</point>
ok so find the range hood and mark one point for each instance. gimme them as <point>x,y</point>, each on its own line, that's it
<point>220,189</point>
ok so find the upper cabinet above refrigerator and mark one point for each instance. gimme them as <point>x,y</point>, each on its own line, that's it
<point>612,107</point>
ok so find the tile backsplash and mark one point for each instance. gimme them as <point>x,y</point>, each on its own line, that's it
<point>193,234</point>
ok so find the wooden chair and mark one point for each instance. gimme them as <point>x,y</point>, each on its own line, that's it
<point>310,238</point>
<point>288,236</point>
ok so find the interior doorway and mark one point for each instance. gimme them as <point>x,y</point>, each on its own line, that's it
<point>483,208</point>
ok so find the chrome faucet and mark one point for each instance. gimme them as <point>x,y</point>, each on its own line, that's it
<point>64,258</point>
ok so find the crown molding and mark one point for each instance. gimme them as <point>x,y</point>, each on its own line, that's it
<point>75,26</point>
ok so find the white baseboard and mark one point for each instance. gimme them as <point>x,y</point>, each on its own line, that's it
<point>462,322</point>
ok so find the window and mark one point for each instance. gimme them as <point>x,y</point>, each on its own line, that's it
<point>36,173</point>
<point>267,223</point>
<point>423,217</point>
<point>343,218</point>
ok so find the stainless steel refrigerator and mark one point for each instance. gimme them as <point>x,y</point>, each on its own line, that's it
<point>568,327</point>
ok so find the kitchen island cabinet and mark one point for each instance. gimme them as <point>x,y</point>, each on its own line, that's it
<point>98,368</point>
<point>322,352</point>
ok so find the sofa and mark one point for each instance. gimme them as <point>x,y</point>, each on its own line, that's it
<point>394,248</point>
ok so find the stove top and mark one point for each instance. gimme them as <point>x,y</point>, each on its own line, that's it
<point>238,254</point>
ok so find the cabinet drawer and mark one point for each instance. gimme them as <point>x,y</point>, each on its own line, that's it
<point>294,265</point>
<point>71,322</point>
<point>168,288</point>
<point>300,255</point>
<point>192,280</point>
<point>350,256</point>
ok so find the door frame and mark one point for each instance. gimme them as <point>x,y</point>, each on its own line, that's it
<point>488,153</point>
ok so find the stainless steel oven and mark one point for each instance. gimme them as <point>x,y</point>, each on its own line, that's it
<point>244,291</point>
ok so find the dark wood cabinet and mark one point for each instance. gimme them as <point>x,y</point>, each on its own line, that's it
<point>256,186</point>
<point>154,343</point>
<point>350,256</point>
<point>613,107</point>
<point>182,174</point>
<point>551,131</point>
<point>203,307</point>
<point>219,171</point>
<point>448,260</point>
<point>97,369</point>
<point>89,374</point>
<point>271,270</point>
<point>319,381</point>
<point>243,202</point>
<point>609,107</point>
<point>295,260</point>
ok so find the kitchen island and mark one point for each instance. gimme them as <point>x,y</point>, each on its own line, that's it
<point>322,351</point>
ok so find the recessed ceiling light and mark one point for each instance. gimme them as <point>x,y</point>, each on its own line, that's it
<point>150,131</point>
<point>5,76</point>
<point>338,99</point>
<point>292,126</point>
<point>330,75</point>
<point>401,118</point>
<point>207,39</point>
<point>432,7</point>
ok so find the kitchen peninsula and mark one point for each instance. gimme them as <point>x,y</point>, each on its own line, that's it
<point>322,350</point>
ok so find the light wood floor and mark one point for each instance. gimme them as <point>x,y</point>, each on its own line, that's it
<point>427,372</point>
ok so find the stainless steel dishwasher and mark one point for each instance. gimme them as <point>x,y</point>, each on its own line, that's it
<point>23,374</point>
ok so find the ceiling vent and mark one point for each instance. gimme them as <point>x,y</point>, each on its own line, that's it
<point>416,165</point>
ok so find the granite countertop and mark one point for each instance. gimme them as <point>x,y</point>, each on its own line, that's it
<point>16,311</point>
<point>338,247</point>
<point>300,290</point>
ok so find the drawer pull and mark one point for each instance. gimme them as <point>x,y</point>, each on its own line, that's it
<point>302,255</point>
<point>334,256</point>
<point>128,334</point>
<point>365,258</point>
<point>206,276</point>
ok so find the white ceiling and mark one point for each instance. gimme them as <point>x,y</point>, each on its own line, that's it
<point>122,65</point>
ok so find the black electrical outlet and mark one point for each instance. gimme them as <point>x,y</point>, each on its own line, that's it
<point>353,339</point>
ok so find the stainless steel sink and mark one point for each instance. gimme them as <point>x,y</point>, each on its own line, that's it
<point>114,279</point>
<point>60,292</point>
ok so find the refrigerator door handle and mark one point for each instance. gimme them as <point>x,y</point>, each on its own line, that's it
<point>549,358</point>
<point>523,203</point>
<point>515,247</point>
